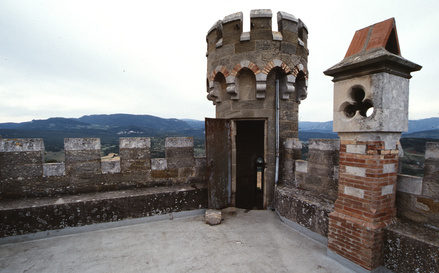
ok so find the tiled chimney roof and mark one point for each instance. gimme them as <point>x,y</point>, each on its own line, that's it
<point>381,34</point>
<point>373,49</point>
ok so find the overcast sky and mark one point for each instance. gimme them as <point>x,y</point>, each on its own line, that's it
<point>75,58</point>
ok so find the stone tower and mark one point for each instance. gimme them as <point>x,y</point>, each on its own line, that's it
<point>256,81</point>
<point>371,88</point>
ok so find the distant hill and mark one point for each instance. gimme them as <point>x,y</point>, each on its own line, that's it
<point>102,122</point>
<point>423,134</point>
<point>110,127</point>
<point>422,128</point>
<point>53,124</point>
<point>325,127</point>
<point>141,121</point>
<point>195,124</point>
<point>423,125</point>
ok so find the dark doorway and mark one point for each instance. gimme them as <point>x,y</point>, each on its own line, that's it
<point>249,149</point>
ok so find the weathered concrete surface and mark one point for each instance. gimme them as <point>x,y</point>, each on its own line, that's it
<point>256,241</point>
<point>411,248</point>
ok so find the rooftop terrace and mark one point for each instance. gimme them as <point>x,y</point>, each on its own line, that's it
<point>253,241</point>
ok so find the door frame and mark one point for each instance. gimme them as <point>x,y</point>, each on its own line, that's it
<point>234,159</point>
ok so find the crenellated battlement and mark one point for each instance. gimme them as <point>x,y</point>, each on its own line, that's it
<point>231,52</point>
<point>23,172</point>
<point>306,197</point>
<point>229,31</point>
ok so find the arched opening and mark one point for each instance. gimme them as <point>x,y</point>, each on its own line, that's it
<point>301,87</point>
<point>220,87</point>
<point>246,84</point>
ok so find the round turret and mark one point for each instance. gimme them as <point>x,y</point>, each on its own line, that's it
<point>256,81</point>
<point>242,67</point>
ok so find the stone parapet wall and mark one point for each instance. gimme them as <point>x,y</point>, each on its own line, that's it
<point>320,173</point>
<point>304,208</point>
<point>23,172</point>
<point>417,198</point>
<point>410,247</point>
<point>309,188</point>
<point>23,216</point>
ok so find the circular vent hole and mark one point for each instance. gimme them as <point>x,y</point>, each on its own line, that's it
<point>350,110</point>
<point>357,94</point>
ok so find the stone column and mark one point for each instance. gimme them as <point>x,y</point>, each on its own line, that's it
<point>371,87</point>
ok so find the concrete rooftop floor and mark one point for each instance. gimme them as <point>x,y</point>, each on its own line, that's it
<point>253,241</point>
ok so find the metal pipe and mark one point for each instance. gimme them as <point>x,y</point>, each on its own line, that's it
<point>277,133</point>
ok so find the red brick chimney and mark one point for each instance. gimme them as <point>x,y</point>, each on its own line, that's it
<point>371,91</point>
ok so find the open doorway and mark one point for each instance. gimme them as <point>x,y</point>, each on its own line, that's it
<point>250,163</point>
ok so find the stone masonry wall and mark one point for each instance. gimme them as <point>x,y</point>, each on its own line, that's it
<point>23,172</point>
<point>320,173</point>
<point>313,180</point>
<point>417,198</point>
<point>308,196</point>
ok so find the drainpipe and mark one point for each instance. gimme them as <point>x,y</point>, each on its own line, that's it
<point>277,134</point>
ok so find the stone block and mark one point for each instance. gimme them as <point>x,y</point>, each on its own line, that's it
<point>159,164</point>
<point>164,174</point>
<point>135,154</point>
<point>83,155</point>
<point>82,144</point>
<point>232,28</point>
<point>21,145</point>
<point>324,144</point>
<point>54,169</point>
<point>78,162</point>
<point>409,184</point>
<point>110,166</point>
<point>21,157</point>
<point>135,160</point>
<point>213,217</point>
<point>134,143</point>
<point>301,166</point>
<point>179,152</point>
<point>21,164</point>
<point>322,167</point>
